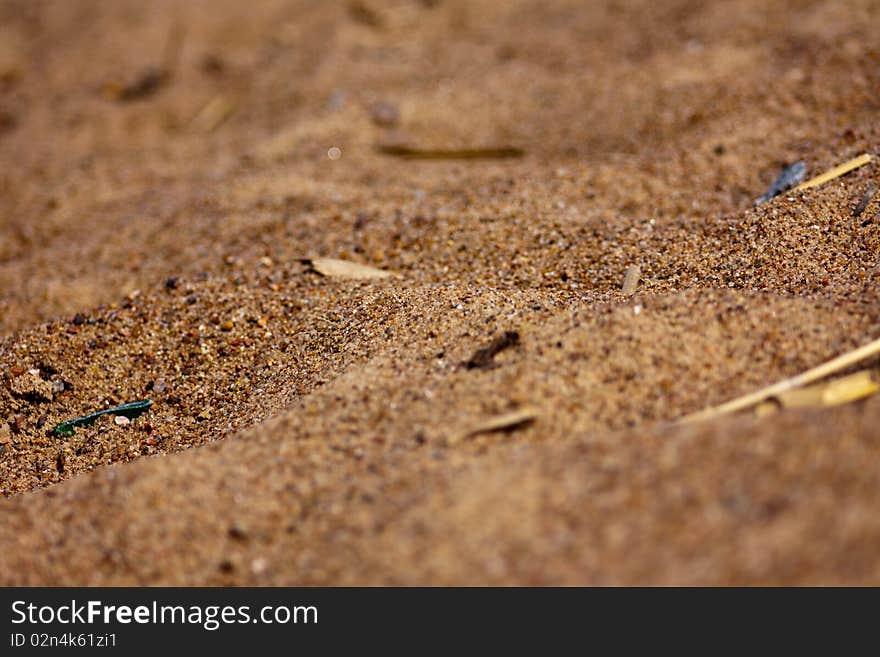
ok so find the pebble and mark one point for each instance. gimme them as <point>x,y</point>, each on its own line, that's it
<point>384,114</point>
<point>159,385</point>
<point>58,386</point>
<point>121,420</point>
<point>631,280</point>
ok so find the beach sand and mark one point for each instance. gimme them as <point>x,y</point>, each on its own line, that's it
<point>168,172</point>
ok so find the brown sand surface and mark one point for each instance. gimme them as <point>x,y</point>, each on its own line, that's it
<point>312,430</point>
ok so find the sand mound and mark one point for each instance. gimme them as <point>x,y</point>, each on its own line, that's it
<point>313,429</point>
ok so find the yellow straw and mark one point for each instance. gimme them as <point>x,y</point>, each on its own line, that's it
<point>820,372</point>
<point>836,172</point>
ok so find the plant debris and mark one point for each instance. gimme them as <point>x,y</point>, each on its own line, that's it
<point>782,387</point>
<point>866,199</point>
<point>145,85</point>
<point>153,78</point>
<point>504,422</point>
<point>631,280</point>
<point>345,269</point>
<point>789,177</point>
<point>413,153</point>
<point>212,115</point>
<point>484,358</point>
<point>836,172</point>
<point>832,393</point>
<point>130,410</point>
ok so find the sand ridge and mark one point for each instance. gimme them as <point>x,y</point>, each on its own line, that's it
<point>302,425</point>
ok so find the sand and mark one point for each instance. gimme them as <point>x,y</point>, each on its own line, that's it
<point>168,170</point>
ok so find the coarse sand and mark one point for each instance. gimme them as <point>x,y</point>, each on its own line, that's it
<point>168,170</point>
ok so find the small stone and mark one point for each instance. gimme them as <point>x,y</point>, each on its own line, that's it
<point>121,420</point>
<point>159,385</point>
<point>384,114</point>
<point>16,422</point>
<point>171,283</point>
<point>58,386</point>
<point>79,319</point>
<point>5,434</point>
<point>237,532</point>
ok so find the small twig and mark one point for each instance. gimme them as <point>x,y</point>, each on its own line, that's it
<point>819,372</point>
<point>836,172</point>
<point>505,422</point>
<point>450,154</point>
<point>482,358</point>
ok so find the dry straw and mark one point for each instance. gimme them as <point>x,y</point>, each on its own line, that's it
<point>836,172</point>
<point>777,389</point>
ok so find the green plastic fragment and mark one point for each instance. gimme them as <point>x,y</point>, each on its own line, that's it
<point>130,410</point>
